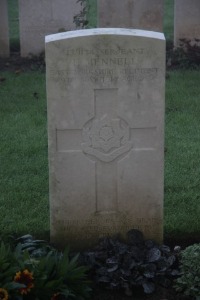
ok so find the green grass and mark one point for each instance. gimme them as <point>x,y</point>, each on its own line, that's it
<point>182,161</point>
<point>24,172</point>
<point>92,13</point>
<point>169,19</point>
<point>24,167</point>
<point>23,151</point>
<point>13,13</point>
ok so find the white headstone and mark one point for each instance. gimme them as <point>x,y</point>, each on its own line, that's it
<point>4,30</point>
<point>38,18</point>
<point>105,90</point>
<point>187,22</point>
<point>140,14</point>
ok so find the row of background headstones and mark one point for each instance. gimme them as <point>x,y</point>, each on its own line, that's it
<point>38,18</point>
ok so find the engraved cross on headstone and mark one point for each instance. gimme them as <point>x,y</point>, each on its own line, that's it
<point>105,139</point>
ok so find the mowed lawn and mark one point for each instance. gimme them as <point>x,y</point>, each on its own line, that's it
<point>23,150</point>
<point>24,165</point>
<point>182,156</point>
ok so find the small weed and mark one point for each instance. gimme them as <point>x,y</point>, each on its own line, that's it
<point>189,281</point>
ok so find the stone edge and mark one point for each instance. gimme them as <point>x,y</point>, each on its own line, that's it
<point>104,31</point>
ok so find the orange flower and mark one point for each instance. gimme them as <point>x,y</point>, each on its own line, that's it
<point>25,277</point>
<point>3,294</point>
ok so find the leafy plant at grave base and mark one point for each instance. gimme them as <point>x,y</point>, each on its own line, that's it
<point>116,265</point>
<point>35,270</point>
<point>80,19</point>
<point>189,281</point>
<point>10,263</point>
<point>187,55</point>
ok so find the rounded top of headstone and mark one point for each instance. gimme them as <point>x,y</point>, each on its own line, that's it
<point>104,31</point>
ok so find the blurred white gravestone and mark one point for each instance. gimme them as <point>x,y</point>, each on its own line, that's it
<point>140,14</point>
<point>4,30</point>
<point>187,22</point>
<point>38,18</point>
<point>105,90</point>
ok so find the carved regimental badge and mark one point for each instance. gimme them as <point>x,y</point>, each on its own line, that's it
<point>105,138</point>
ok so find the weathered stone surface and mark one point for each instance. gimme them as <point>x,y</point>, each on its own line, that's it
<point>187,21</point>
<point>142,14</point>
<point>105,90</point>
<point>4,30</point>
<point>38,18</point>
